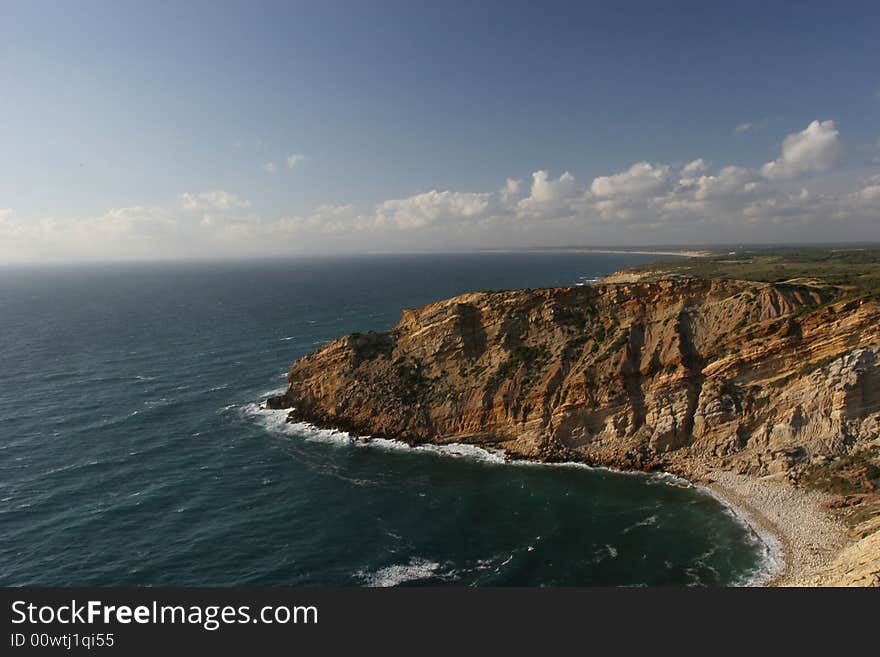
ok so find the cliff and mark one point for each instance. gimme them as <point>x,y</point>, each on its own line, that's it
<point>687,375</point>
<point>754,377</point>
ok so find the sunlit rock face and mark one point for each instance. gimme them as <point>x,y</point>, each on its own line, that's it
<point>756,377</point>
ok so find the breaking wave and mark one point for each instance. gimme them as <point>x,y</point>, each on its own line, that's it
<point>275,420</point>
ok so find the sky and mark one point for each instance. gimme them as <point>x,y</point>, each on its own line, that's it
<point>153,130</point>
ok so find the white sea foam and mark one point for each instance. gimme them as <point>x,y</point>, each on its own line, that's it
<point>276,420</point>
<point>72,466</point>
<point>773,553</point>
<point>607,551</point>
<point>650,521</point>
<point>416,569</point>
<point>277,390</point>
<point>772,562</point>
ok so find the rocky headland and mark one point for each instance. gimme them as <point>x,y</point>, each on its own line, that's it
<point>742,386</point>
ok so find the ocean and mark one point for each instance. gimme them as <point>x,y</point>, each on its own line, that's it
<point>133,450</point>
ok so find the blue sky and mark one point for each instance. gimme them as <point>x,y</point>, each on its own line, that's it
<point>149,129</point>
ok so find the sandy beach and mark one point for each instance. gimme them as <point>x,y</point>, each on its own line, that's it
<point>808,536</point>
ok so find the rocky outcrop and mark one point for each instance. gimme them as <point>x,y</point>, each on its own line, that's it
<point>857,564</point>
<point>778,382</point>
<point>680,374</point>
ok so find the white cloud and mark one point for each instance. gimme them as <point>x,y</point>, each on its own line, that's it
<point>750,126</point>
<point>511,191</point>
<point>815,148</point>
<point>545,189</point>
<point>213,200</point>
<point>730,181</point>
<point>11,230</point>
<point>119,233</point>
<point>646,202</point>
<point>432,207</point>
<point>137,220</point>
<point>294,159</point>
<point>325,220</point>
<point>871,191</point>
<point>641,179</point>
<point>269,167</point>
<point>696,166</point>
<point>548,199</point>
<point>634,193</point>
<point>216,207</point>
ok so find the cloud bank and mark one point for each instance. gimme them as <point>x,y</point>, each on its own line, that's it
<point>815,148</point>
<point>647,202</point>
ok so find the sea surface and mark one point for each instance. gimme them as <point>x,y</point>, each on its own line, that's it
<point>133,450</point>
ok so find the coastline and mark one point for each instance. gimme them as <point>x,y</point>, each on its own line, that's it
<point>806,542</point>
<point>685,253</point>
<point>801,538</point>
<point>807,536</point>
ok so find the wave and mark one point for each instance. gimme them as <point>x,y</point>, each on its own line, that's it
<point>650,521</point>
<point>276,420</point>
<point>606,551</point>
<point>772,552</point>
<point>416,569</point>
<point>277,390</point>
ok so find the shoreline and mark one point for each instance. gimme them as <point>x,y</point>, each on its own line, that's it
<point>804,542</point>
<point>807,537</point>
<point>776,555</point>
<point>800,537</point>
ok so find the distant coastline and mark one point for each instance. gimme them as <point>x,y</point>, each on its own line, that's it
<point>688,253</point>
<point>658,251</point>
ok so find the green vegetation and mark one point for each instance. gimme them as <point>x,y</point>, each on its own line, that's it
<point>531,357</point>
<point>526,354</point>
<point>855,270</point>
<point>575,345</point>
<point>854,473</point>
<point>411,383</point>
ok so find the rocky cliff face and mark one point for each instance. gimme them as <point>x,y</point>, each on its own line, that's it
<point>685,374</point>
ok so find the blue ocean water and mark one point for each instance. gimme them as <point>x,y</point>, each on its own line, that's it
<point>133,450</point>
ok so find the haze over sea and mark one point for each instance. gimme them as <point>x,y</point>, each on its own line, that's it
<point>133,450</point>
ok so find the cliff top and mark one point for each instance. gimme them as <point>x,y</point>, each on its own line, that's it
<point>855,271</point>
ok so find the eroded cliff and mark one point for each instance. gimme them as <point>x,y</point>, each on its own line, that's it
<point>684,374</point>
